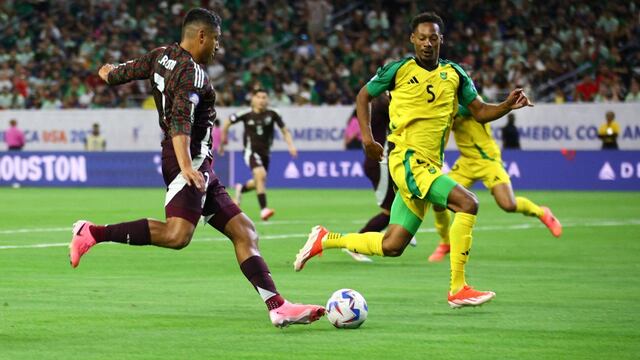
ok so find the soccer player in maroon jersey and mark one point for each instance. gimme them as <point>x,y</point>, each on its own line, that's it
<point>185,101</point>
<point>258,123</point>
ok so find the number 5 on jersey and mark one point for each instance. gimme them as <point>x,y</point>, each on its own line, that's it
<point>433,96</point>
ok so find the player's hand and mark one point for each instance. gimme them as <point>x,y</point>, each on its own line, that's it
<point>293,152</point>
<point>374,150</point>
<point>194,177</point>
<point>221,149</point>
<point>518,99</point>
<point>104,72</point>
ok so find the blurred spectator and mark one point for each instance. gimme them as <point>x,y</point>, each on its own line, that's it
<point>634,92</point>
<point>586,89</point>
<point>510,134</point>
<point>558,96</point>
<point>50,57</point>
<point>14,137</point>
<point>609,131</point>
<point>278,98</point>
<point>94,141</point>
<point>352,135</point>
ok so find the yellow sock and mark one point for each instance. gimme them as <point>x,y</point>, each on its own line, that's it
<point>460,236</point>
<point>528,207</point>
<point>369,243</point>
<point>442,225</point>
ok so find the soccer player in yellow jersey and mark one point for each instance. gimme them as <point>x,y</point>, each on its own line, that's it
<point>425,92</point>
<point>480,159</point>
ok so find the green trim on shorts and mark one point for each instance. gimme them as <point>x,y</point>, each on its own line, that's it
<point>403,216</point>
<point>482,153</point>
<point>408,175</point>
<point>440,190</point>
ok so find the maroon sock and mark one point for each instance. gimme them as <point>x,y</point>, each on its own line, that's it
<point>262,200</point>
<point>132,233</point>
<point>376,223</point>
<point>97,231</point>
<point>257,272</point>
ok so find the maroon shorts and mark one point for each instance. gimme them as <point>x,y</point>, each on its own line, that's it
<point>378,174</point>
<point>188,202</point>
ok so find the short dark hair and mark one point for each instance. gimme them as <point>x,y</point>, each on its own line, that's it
<point>201,16</point>
<point>258,90</point>
<point>427,17</point>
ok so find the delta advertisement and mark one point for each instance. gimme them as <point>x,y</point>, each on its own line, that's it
<point>532,170</point>
<point>542,127</point>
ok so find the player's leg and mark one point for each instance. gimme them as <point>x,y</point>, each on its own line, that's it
<point>497,180</point>
<point>221,213</point>
<point>465,204</point>
<point>183,206</point>
<point>240,189</point>
<point>460,174</point>
<point>407,212</point>
<point>403,225</point>
<point>378,174</point>
<point>259,169</point>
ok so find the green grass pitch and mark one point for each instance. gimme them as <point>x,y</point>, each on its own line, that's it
<point>570,298</point>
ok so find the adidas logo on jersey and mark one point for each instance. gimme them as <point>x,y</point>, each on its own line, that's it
<point>413,81</point>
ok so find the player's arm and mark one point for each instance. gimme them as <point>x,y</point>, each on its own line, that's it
<point>373,149</point>
<point>484,112</point>
<point>184,103</point>
<point>286,134</point>
<point>136,69</point>
<point>224,133</point>
<point>384,80</point>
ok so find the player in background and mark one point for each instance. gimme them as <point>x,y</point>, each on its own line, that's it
<point>378,173</point>
<point>480,160</point>
<point>185,101</point>
<point>257,140</point>
<point>425,93</point>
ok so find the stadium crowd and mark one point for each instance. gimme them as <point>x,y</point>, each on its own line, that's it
<point>319,51</point>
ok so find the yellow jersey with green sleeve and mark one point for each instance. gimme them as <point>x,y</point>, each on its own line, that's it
<point>474,139</point>
<point>423,103</point>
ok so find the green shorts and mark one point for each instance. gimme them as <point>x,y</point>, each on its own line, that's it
<point>408,212</point>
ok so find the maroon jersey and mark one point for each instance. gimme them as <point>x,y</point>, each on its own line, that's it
<point>258,129</point>
<point>183,95</point>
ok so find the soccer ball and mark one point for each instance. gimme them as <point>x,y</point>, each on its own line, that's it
<point>347,309</point>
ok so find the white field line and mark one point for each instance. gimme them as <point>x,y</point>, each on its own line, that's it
<point>302,236</point>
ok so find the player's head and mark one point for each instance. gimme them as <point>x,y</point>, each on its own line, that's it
<point>96,129</point>
<point>201,34</point>
<point>610,115</point>
<point>13,123</point>
<point>259,99</point>
<point>426,36</point>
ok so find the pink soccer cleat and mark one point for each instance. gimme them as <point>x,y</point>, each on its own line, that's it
<point>81,241</point>
<point>551,222</point>
<point>291,314</point>
<point>468,296</point>
<point>266,213</point>
<point>311,248</point>
<point>440,252</point>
